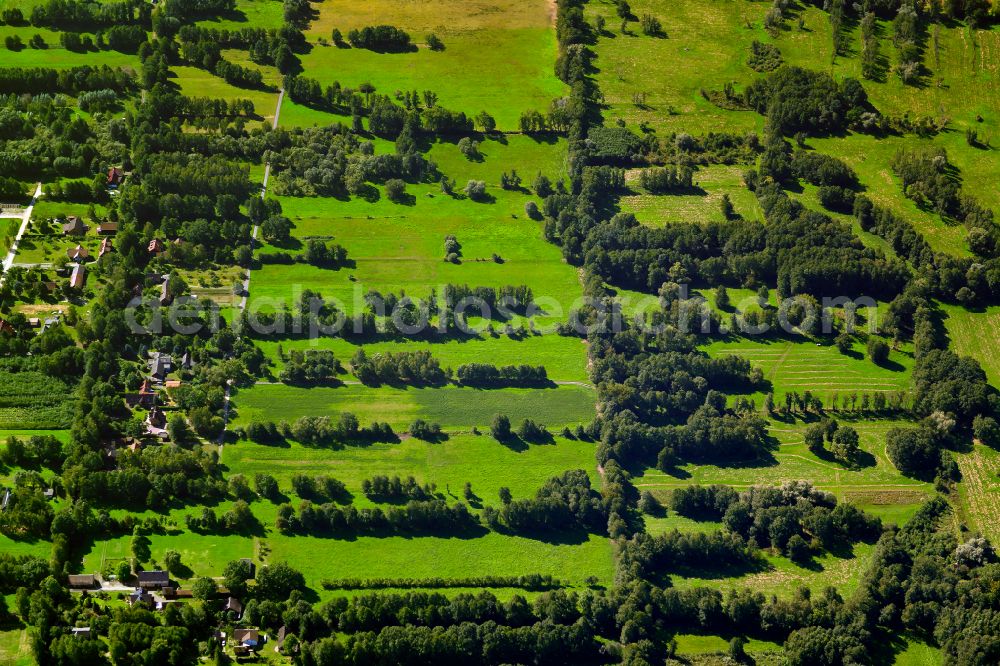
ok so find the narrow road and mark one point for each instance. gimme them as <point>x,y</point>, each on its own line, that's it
<point>25,218</point>
<point>246,281</point>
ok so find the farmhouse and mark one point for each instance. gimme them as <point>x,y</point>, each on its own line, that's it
<point>249,638</point>
<point>6,328</point>
<point>81,632</point>
<point>160,365</point>
<point>74,226</point>
<point>155,246</point>
<point>233,604</point>
<point>115,177</point>
<point>82,581</point>
<point>78,277</point>
<point>78,253</point>
<point>153,580</point>
<point>107,228</point>
<point>106,247</point>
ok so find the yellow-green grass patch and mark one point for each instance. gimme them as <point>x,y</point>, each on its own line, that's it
<point>700,207</point>
<point>498,54</point>
<point>452,407</point>
<point>705,47</point>
<point>564,358</point>
<point>479,459</point>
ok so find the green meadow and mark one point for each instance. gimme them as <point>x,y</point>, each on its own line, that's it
<point>564,358</point>
<point>452,407</point>
<point>400,247</point>
<point>798,364</point>
<point>497,58</point>
<point>479,459</point>
<point>703,205</point>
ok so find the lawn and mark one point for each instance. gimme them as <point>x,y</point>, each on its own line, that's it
<point>700,206</point>
<point>498,53</point>
<point>452,407</point>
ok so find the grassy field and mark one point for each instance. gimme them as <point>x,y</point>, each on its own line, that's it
<point>54,55</point>
<point>400,247</point>
<point>449,464</point>
<point>565,359</point>
<point>15,648</point>
<point>492,554</point>
<point>452,407</point>
<point>195,82</point>
<point>801,365</point>
<point>498,53</point>
<point>979,491</point>
<point>705,46</point>
<point>701,206</point>
<point>875,485</point>
<point>248,13</point>
<point>973,333</point>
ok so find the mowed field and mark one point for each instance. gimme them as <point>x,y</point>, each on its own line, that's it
<point>498,54</point>
<point>452,407</point>
<point>875,486</point>
<point>702,205</point>
<point>802,365</point>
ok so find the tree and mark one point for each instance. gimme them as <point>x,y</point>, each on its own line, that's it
<point>500,428</point>
<point>986,430</point>
<point>878,350</point>
<point>797,549</point>
<point>542,186</point>
<point>172,561</point>
<point>722,297</point>
<point>486,122</point>
<point>814,437</point>
<point>737,649</point>
<point>123,571</point>
<point>276,581</point>
<point>505,495</point>
<point>266,486</point>
<point>727,208</point>
<point>649,505</point>
<point>204,589</point>
<point>844,343</point>
<point>475,190</point>
<point>845,443</point>
<point>434,42</point>
<point>235,577</point>
<point>178,429</point>
<point>395,190</point>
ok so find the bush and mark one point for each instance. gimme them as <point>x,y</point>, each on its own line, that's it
<point>395,190</point>
<point>475,190</point>
<point>878,350</point>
